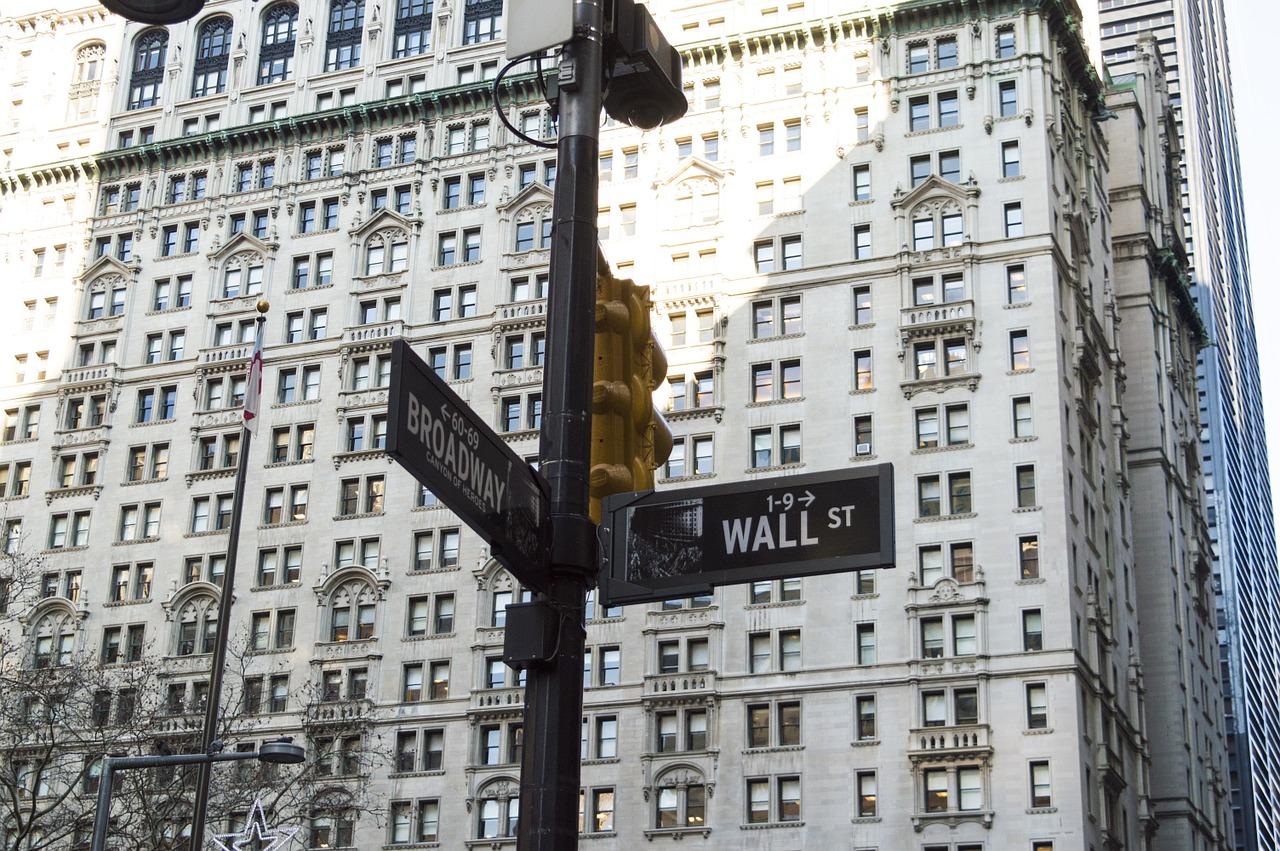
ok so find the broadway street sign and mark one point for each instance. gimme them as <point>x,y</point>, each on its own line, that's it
<point>664,544</point>
<point>436,436</point>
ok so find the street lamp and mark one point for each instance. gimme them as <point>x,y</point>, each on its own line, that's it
<point>281,751</point>
<point>155,11</point>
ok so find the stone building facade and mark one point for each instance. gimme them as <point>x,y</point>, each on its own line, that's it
<point>1161,334</point>
<point>914,196</point>
<point>59,66</point>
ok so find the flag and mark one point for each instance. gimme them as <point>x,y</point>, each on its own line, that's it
<point>253,386</point>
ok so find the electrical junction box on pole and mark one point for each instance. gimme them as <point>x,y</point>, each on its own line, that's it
<point>659,545</point>
<point>537,25</point>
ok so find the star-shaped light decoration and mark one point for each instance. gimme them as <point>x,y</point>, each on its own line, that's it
<point>256,830</point>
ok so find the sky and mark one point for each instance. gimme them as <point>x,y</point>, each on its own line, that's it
<point>1251,25</point>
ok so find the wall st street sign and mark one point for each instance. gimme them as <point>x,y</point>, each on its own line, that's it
<point>663,544</point>
<point>436,436</point>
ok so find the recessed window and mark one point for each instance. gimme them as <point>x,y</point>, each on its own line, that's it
<point>1010,159</point>
<point>1008,98</point>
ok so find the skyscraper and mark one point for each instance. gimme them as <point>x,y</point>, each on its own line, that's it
<point>1192,36</point>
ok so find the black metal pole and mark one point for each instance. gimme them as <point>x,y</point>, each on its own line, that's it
<point>200,810</point>
<point>550,767</point>
<point>102,817</point>
<point>112,764</point>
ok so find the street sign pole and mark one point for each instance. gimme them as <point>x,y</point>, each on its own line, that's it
<point>550,766</point>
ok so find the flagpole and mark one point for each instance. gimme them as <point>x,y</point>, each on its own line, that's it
<point>209,743</point>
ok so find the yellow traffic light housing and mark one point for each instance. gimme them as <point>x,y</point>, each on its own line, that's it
<point>629,437</point>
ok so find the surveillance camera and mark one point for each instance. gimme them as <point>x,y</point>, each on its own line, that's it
<point>644,88</point>
<point>155,11</point>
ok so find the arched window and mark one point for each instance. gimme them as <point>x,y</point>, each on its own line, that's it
<point>499,810</point>
<point>213,47</point>
<point>936,224</point>
<point>54,639</point>
<point>279,32</point>
<point>481,21</point>
<point>352,612</point>
<point>89,61</point>
<point>413,27</point>
<point>681,800</point>
<point>387,252</point>
<point>333,819</point>
<point>197,626</point>
<point>346,28</point>
<point>147,74</point>
<point>87,82</point>
<point>697,202</point>
<point>242,275</point>
<point>498,591</point>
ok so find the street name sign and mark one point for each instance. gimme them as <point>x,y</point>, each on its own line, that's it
<point>436,436</point>
<point>657,545</point>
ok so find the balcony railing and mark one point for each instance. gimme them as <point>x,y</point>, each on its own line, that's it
<point>374,333</point>
<point>490,699</point>
<point>937,314</point>
<point>522,310</point>
<point>227,354</point>
<point>939,741</point>
<point>96,374</point>
<point>339,712</point>
<point>675,685</point>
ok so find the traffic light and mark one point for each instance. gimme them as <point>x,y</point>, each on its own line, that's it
<point>629,438</point>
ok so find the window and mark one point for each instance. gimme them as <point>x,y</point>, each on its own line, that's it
<point>918,113</point>
<point>948,109</point>
<point>279,33</point>
<point>1032,630</point>
<point>1006,43</point>
<point>212,50</point>
<point>864,711</point>
<point>1019,350</point>
<point>1008,99</point>
<point>792,252</point>
<point>866,792</point>
<point>922,234</point>
<point>865,638</point>
<point>862,183</point>
<point>862,120</point>
<point>947,53</point>
<point>1025,475</point>
<point>147,73</point>
<point>1013,220</point>
<point>792,129</point>
<point>681,806</point>
<point>481,21</point>
<point>862,242</point>
<point>1029,556</point>
<point>764,256</point>
<point>764,138</point>
<point>918,58</point>
<point>346,25</point>
<point>413,27</point>
<point>1037,707</point>
<point>1040,791</point>
<point>1010,160</point>
<point>1016,284</point>
<point>862,435</point>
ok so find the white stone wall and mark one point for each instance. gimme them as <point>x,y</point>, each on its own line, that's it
<point>59,67</point>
